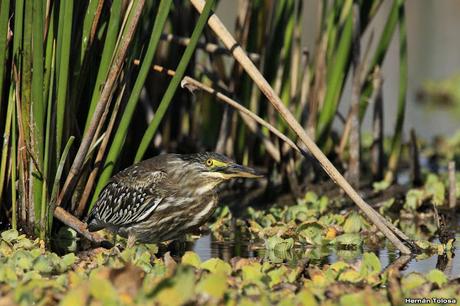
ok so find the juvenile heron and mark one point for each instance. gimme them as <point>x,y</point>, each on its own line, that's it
<point>164,197</point>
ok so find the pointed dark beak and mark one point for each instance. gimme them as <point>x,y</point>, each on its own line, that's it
<point>235,170</point>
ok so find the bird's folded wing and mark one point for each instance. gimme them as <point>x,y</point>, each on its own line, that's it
<point>126,203</point>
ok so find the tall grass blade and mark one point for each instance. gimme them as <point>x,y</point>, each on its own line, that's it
<point>63,59</point>
<point>335,78</point>
<point>4,18</point>
<point>38,109</point>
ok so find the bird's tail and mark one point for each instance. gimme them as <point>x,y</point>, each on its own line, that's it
<point>93,223</point>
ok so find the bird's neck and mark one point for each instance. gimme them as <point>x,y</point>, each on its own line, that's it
<point>206,188</point>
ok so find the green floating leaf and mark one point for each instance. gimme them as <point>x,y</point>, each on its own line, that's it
<point>10,235</point>
<point>22,260</point>
<point>76,297</point>
<point>43,264</point>
<point>414,198</point>
<point>370,264</point>
<point>412,281</point>
<point>305,297</point>
<point>192,259</point>
<point>277,276</point>
<point>214,285</point>
<point>177,290</point>
<point>339,266</point>
<point>363,298</point>
<point>279,244</point>
<point>216,265</point>
<point>436,276</point>
<point>380,186</point>
<point>252,272</point>
<point>68,260</point>
<point>386,205</point>
<point>311,232</point>
<point>423,244</point>
<point>349,239</point>
<point>353,223</point>
<point>102,289</point>
<point>350,275</point>
<point>436,188</point>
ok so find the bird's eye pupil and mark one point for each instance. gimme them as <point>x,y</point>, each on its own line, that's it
<point>209,162</point>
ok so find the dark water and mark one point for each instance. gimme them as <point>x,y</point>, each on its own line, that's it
<point>207,247</point>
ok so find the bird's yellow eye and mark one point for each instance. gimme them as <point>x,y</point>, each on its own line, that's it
<point>209,162</point>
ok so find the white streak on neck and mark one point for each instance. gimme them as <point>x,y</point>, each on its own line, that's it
<point>198,217</point>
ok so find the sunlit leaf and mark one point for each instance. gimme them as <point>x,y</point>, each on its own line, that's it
<point>214,285</point>
<point>436,276</point>
<point>216,265</point>
<point>192,259</point>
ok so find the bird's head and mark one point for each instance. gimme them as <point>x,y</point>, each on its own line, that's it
<point>210,166</point>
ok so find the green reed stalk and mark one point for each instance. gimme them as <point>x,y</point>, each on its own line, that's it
<point>335,78</point>
<point>170,91</point>
<point>63,59</point>
<point>38,109</point>
<point>4,18</point>
<point>57,179</point>
<point>5,147</point>
<point>13,153</point>
<point>45,212</point>
<point>17,64</point>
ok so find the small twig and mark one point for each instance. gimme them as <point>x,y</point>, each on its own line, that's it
<point>192,84</point>
<point>208,47</point>
<point>452,185</point>
<point>239,54</point>
<point>97,15</point>
<point>73,222</point>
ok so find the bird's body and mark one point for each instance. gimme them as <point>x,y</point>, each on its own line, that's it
<point>164,197</point>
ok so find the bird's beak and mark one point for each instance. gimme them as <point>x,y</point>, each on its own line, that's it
<point>235,170</point>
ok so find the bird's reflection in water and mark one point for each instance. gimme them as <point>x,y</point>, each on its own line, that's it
<point>239,245</point>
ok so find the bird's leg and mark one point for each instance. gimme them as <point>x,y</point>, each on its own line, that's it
<point>131,240</point>
<point>116,248</point>
<point>114,238</point>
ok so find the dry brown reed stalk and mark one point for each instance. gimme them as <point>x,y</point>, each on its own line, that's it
<point>318,90</point>
<point>208,47</point>
<point>239,54</point>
